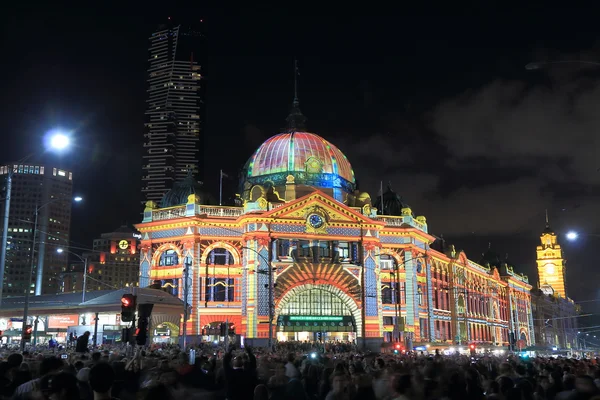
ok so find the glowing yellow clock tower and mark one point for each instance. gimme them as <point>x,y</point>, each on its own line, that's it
<point>550,262</point>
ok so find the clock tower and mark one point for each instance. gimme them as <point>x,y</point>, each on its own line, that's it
<point>550,262</point>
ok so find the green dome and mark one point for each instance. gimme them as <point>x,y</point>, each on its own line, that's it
<point>181,190</point>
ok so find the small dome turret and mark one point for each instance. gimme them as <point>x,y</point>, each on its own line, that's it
<point>392,204</point>
<point>178,195</point>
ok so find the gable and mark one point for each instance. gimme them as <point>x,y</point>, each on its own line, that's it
<point>336,212</point>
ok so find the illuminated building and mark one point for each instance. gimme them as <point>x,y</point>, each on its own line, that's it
<point>555,313</point>
<point>341,268</point>
<point>114,263</point>
<point>174,107</point>
<point>34,185</point>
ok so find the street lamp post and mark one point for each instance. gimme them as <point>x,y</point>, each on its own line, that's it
<point>32,266</point>
<point>58,141</point>
<point>186,274</point>
<point>5,227</point>
<point>271,287</point>
<point>84,260</point>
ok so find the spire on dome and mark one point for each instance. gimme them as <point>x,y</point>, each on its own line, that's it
<point>295,119</point>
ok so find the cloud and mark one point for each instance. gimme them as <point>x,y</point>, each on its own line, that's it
<point>507,121</point>
<point>509,151</point>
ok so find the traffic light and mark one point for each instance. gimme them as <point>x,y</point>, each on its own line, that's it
<point>223,329</point>
<point>141,333</point>
<point>27,333</point>
<point>126,335</point>
<point>398,346</point>
<point>472,349</point>
<point>128,307</point>
<point>231,329</point>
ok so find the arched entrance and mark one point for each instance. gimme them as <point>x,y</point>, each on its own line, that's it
<point>317,312</point>
<point>165,332</point>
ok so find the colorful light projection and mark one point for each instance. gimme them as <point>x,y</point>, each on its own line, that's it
<point>290,152</point>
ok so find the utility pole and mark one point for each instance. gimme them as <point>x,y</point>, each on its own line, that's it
<point>84,286</point>
<point>362,286</point>
<point>9,177</point>
<point>186,275</point>
<point>271,311</point>
<point>96,331</point>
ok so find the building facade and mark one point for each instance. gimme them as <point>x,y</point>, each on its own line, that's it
<point>311,257</point>
<point>555,314</point>
<point>174,107</point>
<point>113,263</point>
<point>35,186</point>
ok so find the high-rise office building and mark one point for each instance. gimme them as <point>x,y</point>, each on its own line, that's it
<point>114,263</point>
<point>174,112</point>
<point>34,186</point>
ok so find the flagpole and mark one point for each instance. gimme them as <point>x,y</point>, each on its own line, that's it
<point>381,191</point>
<point>221,188</point>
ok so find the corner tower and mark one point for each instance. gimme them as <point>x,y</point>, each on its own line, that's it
<point>550,262</point>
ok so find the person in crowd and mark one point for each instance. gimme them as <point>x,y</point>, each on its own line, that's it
<point>102,379</point>
<point>240,379</point>
<point>63,386</point>
<point>82,343</point>
<point>49,366</point>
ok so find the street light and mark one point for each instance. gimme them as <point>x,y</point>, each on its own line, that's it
<point>32,262</point>
<point>42,245</point>
<point>84,260</point>
<point>573,235</point>
<point>542,64</point>
<point>57,142</point>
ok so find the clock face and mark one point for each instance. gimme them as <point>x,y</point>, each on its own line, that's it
<point>550,269</point>
<point>316,221</point>
<point>123,244</point>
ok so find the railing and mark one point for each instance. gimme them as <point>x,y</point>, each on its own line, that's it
<point>220,211</point>
<point>392,221</point>
<point>169,213</point>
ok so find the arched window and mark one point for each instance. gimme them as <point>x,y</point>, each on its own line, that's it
<point>461,304</point>
<point>315,301</point>
<point>388,263</point>
<point>168,258</point>
<point>219,256</point>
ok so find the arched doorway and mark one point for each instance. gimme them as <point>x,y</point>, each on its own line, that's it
<point>317,312</point>
<point>217,330</point>
<point>523,336</point>
<point>165,332</point>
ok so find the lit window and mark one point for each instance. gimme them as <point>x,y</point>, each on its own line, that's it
<point>54,171</point>
<point>62,173</point>
<point>168,258</point>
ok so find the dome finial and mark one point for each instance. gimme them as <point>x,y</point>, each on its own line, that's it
<point>295,120</point>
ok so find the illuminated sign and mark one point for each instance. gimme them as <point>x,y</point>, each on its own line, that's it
<point>63,321</point>
<point>315,318</point>
<point>316,323</point>
<point>137,235</point>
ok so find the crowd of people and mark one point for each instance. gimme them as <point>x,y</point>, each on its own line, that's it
<point>289,371</point>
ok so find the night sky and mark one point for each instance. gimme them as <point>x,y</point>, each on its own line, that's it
<point>440,106</point>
